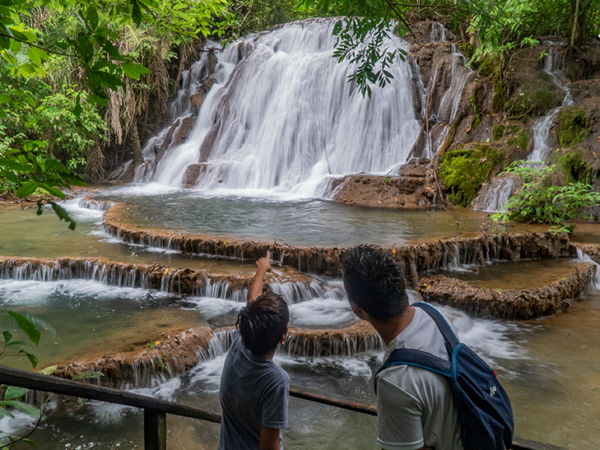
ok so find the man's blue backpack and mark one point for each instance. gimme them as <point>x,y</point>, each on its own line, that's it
<point>484,408</point>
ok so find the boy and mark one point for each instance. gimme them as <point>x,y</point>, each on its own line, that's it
<point>254,390</point>
<point>415,407</point>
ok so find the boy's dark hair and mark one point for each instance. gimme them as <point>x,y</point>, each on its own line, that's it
<point>374,281</point>
<point>263,322</point>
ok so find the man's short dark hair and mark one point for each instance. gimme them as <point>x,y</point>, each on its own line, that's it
<point>374,281</point>
<point>263,322</point>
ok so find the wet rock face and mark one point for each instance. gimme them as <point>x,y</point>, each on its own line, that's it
<point>414,190</point>
<point>192,174</point>
<point>508,304</point>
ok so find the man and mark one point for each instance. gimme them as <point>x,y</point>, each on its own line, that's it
<point>254,390</point>
<point>415,407</point>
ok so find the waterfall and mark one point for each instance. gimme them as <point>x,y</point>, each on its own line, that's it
<point>282,116</point>
<point>494,196</point>
<point>541,128</point>
<point>595,284</point>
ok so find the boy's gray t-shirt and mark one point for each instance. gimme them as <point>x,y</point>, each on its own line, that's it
<point>254,393</point>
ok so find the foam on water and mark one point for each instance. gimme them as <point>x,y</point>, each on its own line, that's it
<point>322,312</point>
<point>214,307</point>
<point>37,293</point>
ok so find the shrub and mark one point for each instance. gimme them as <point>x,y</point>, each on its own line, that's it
<point>539,201</point>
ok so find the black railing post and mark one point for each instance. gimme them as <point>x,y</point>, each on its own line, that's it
<point>155,430</point>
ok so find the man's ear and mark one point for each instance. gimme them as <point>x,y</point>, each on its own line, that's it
<point>361,313</point>
<point>282,340</point>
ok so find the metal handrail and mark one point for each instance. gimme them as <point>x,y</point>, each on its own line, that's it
<point>155,410</point>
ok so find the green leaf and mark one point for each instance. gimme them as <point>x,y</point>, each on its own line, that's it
<point>26,69</point>
<point>31,357</point>
<point>134,70</point>
<point>34,55</point>
<point>13,165</point>
<point>27,327</point>
<point>31,102</point>
<point>26,189</point>
<point>5,98</point>
<point>23,407</point>
<point>7,337</point>
<point>78,109</point>
<point>63,215</point>
<point>49,370</point>
<point>81,401</point>
<point>136,13</point>
<point>54,191</point>
<point>4,412</point>
<point>14,393</point>
<point>92,17</point>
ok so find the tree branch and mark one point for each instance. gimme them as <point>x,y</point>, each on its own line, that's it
<point>41,48</point>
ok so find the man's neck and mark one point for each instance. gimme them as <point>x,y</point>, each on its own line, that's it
<point>389,330</point>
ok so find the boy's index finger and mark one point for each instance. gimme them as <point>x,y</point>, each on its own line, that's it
<point>268,256</point>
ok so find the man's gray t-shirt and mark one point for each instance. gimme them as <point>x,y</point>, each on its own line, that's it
<point>254,393</point>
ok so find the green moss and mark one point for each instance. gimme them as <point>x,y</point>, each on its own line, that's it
<point>497,132</point>
<point>575,168</point>
<point>464,171</point>
<point>573,126</point>
<point>519,141</point>
<point>533,101</point>
<point>467,49</point>
<point>477,120</point>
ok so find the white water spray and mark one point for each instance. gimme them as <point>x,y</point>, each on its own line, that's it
<point>284,117</point>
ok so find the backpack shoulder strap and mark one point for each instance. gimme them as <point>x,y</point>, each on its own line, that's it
<point>416,358</point>
<point>444,327</point>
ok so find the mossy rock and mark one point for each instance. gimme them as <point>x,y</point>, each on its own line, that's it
<point>519,141</point>
<point>497,132</point>
<point>573,126</point>
<point>534,100</point>
<point>574,168</point>
<point>463,171</point>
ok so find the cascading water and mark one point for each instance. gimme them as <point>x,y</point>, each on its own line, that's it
<point>541,128</point>
<point>493,197</point>
<point>282,116</point>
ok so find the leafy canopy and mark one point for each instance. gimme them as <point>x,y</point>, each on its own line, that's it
<point>28,162</point>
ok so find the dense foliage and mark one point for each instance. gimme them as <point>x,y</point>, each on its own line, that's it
<point>69,65</point>
<point>541,201</point>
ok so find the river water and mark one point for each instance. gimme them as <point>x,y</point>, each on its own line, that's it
<point>549,366</point>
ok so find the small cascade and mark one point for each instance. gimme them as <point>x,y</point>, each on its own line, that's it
<point>95,205</point>
<point>493,196</point>
<point>113,275</point>
<point>595,284</point>
<point>438,32</point>
<point>182,112</point>
<point>294,292</point>
<point>345,346</point>
<point>541,128</point>
<point>220,289</point>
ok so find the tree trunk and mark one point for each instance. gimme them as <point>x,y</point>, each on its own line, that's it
<point>578,32</point>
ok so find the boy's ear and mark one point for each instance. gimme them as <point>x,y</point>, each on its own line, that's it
<point>361,313</point>
<point>282,340</point>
